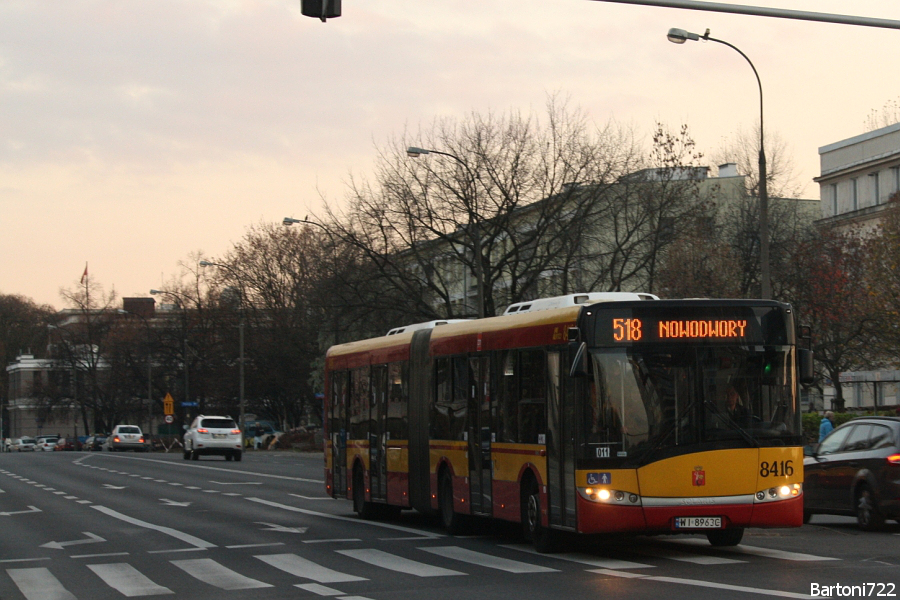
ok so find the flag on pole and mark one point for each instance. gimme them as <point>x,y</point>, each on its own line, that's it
<point>84,275</point>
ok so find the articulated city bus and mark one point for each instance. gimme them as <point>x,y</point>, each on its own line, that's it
<point>641,416</point>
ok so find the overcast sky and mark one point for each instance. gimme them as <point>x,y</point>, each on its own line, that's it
<point>135,133</point>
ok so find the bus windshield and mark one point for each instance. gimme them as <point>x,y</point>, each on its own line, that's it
<point>649,402</point>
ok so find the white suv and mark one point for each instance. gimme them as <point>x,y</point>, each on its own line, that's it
<point>213,435</point>
<point>126,437</point>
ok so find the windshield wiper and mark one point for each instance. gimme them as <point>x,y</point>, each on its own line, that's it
<point>732,423</point>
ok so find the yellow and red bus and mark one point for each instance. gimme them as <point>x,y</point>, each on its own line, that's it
<point>641,416</point>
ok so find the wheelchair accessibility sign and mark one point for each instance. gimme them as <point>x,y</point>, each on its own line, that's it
<point>599,478</point>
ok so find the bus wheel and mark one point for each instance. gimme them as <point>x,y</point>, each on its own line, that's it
<point>544,540</point>
<point>363,509</point>
<point>452,521</point>
<point>726,537</point>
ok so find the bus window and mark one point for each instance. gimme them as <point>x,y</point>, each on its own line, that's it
<point>398,401</point>
<point>507,396</point>
<point>533,397</point>
<point>359,404</point>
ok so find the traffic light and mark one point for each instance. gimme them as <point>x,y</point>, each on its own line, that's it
<point>321,9</point>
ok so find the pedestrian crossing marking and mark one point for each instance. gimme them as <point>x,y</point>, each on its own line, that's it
<point>39,584</point>
<point>320,590</point>
<point>300,567</point>
<point>215,574</point>
<point>129,581</point>
<point>486,560</point>
<point>393,562</point>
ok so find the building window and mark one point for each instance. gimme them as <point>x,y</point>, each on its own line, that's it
<point>854,194</point>
<point>896,178</point>
<point>834,199</point>
<point>876,189</point>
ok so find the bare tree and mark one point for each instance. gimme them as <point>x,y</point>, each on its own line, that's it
<point>507,208</point>
<point>888,115</point>
<point>739,221</point>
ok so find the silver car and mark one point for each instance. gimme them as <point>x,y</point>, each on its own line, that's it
<point>126,437</point>
<point>47,443</point>
<point>24,444</point>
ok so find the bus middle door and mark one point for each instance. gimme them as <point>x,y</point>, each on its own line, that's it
<point>479,433</point>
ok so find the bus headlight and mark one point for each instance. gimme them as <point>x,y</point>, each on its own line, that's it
<point>607,496</point>
<point>779,493</point>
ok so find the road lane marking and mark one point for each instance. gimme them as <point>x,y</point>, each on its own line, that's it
<point>188,465</point>
<point>486,560</point>
<point>128,580</point>
<point>584,559</point>
<point>699,583</point>
<point>16,560</point>
<point>91,539</point>
<point>281,528</point>
<point>679,555</point>
<point>422,534</point>
<point>238,483</point>
<point>300,567</point>
<point>179,535</point>
<point>39,584</point>
<point>31,509</point>
<point>392,562</point>
<point>759,551</point>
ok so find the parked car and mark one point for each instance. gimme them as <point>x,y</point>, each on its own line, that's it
<point>94,443</point>
<point>126,437</point>
<point>46,443</point>
<point>213,435</point>
<point>68,444</point>
<point>24,444</point>
<point>855,470</point>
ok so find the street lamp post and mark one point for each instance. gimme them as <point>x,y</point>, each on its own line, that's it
<point>680,36</point>
<point>206,263</point>
<point>414,152</point>
<point>187,397</point>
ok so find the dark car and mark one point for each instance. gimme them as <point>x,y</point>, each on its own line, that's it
<point>94,443</point>
<point>68,444</point>
<point>855,470</point>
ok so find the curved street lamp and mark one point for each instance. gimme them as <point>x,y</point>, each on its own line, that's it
<point>680,36</point>
<point>414,152</point>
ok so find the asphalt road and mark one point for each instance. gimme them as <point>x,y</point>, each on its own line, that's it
<point>112,525</point>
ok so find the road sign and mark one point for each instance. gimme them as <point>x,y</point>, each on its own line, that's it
<point>189,404</point>
<point>169,419</point>
<point>168,405</point>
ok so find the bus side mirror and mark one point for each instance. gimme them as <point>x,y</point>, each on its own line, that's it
<point>581,364</point>
<point>807,373</point>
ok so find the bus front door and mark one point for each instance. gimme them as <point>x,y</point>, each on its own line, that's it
<point>479,434</point>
